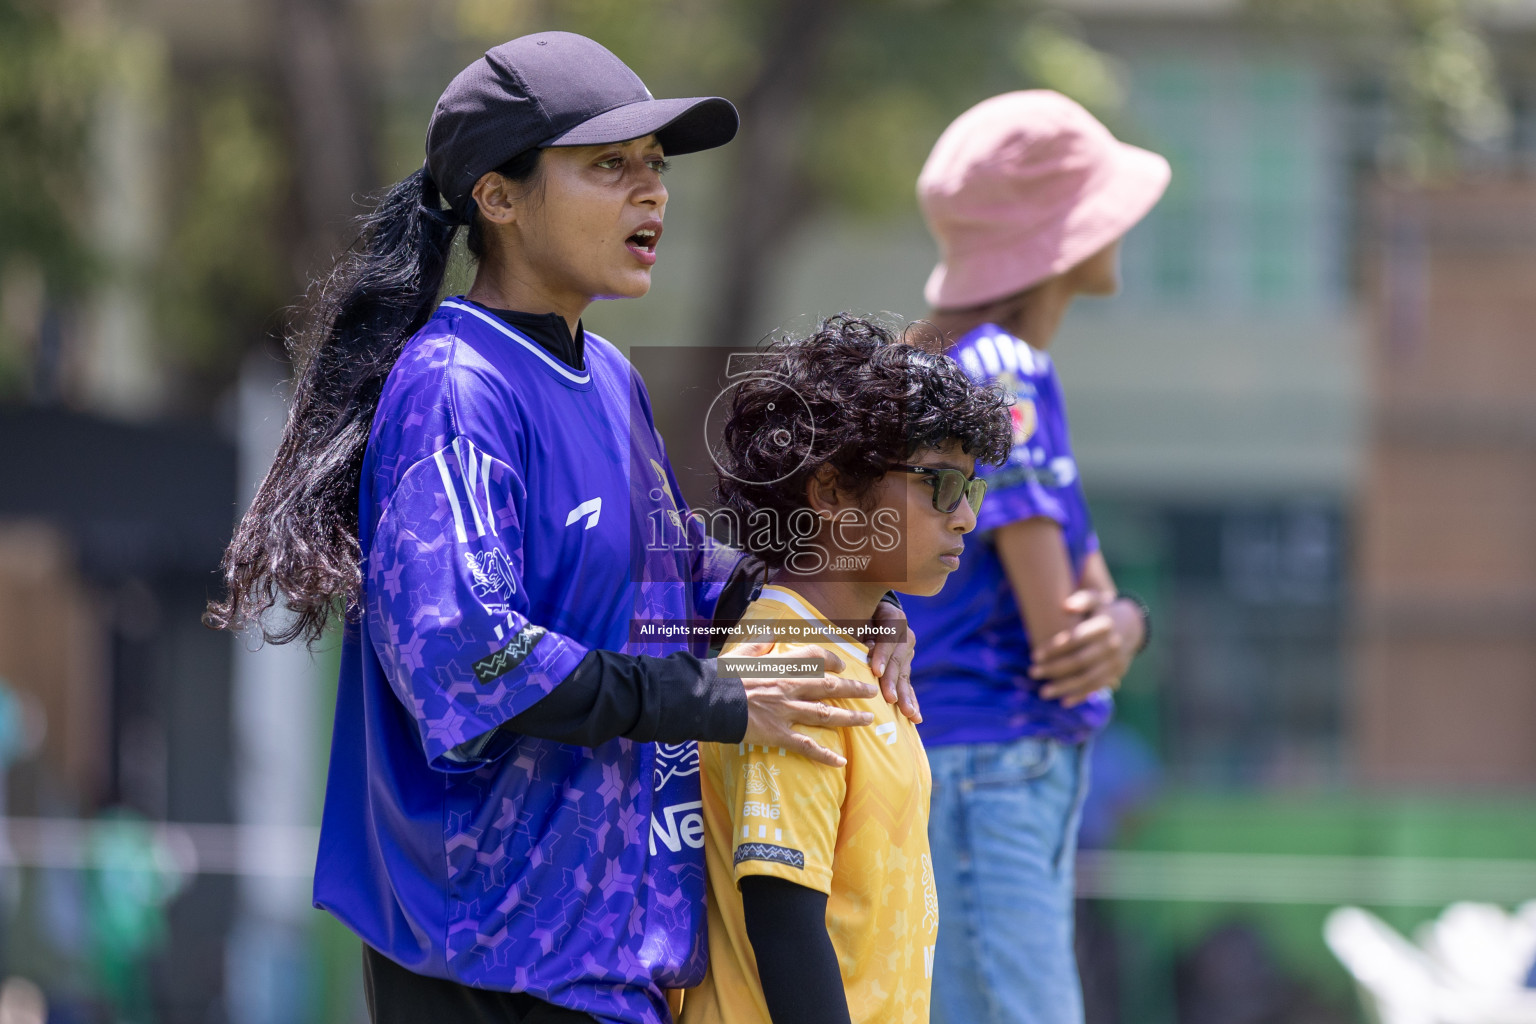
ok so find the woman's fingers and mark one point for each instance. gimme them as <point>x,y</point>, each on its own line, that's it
<point>1097,661</point>
<point>888,674</point>
<point>826,716</point>
<point>1089,657</point>
<point>907,698</point>
<point>753,648</point>
<point>1082,691</point>
<point>827,688</point>
<point>896,684</point>
<point>771,725</point>
<point>775,705</point>
<point>896,678</point>
<point>830,660</point>
<point>888,616</point>
<point>774,731</point>
<point>880,661</point>
<point>806,747</point>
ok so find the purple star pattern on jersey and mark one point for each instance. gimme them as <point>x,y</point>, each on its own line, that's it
<point>971,670</point>
<point>504,505</point>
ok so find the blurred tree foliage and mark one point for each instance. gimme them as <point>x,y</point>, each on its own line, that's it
<point>216,273</point>
<point>1442,78</point>
<point>840,99</point>
<point>883,76</point>
<point>222,277</point>
<point>49,77</point>
<point>1051,51</point>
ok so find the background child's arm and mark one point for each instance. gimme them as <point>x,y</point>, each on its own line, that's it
<point>1097,652</point>
<point>1034,555</point>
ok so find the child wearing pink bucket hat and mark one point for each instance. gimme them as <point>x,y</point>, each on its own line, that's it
<point>1027,195</point>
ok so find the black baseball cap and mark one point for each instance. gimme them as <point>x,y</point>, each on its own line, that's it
<point>555,89</point>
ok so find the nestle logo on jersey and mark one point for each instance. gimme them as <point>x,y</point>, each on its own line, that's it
<point>684,825</point>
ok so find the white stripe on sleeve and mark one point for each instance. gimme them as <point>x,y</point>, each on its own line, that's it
<point>470,473</point>
<point>450,489</point>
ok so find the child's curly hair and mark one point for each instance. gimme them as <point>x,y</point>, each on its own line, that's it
<point>854,396</point>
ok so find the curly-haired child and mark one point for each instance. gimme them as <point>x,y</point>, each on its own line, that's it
<point>849,459</point>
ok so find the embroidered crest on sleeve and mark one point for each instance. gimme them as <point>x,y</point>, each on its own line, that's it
<point>762,780</point>
<point>491,579</point>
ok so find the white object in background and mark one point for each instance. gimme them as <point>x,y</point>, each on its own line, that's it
<point>1401,983</point>
<point>22,1002</point>
<point>1480,946</point>
<point>1395,977</point>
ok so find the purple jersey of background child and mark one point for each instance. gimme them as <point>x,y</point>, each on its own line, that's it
<point>505,503</point>
<point>971,669</point>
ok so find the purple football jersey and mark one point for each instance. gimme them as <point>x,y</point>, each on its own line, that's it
<point>971,668</point>
<point>506,501</point>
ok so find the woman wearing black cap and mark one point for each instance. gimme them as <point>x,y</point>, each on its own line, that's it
<point>512,814</point>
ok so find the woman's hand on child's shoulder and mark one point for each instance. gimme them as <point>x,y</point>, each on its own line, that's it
<point>776,704</point>
<point>891,660</point>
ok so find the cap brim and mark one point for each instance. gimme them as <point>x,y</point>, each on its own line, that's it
<point>682,125</point>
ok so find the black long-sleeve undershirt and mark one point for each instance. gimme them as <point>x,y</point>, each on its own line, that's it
<point>551,331</point>
<point>639,697</point>
<point>796,962</point>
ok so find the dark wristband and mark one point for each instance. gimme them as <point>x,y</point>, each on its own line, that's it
<point>1146,617</point>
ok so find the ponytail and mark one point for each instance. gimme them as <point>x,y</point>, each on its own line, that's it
<point>297,543</point>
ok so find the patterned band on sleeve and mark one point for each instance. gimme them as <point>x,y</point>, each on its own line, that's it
<point>771,853</point>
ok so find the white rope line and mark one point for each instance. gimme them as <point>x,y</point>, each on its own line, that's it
<point>185,848</point>
<point>289,851</point>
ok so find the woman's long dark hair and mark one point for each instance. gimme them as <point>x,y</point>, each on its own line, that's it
<point>297,543</point>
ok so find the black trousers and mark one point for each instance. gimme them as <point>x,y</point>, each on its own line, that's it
<point>398,996</point>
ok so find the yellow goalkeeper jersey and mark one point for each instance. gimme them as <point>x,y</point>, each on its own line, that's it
<point>857,833</point>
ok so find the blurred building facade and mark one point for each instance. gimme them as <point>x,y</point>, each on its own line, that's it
<point>1447,561</point>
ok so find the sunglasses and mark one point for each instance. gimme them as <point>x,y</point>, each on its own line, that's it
<point>950,487</point>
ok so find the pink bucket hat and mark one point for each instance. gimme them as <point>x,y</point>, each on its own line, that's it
<point>1025,186</point>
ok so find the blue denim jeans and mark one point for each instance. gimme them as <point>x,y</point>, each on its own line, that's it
<point>1003,827</point>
